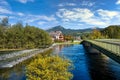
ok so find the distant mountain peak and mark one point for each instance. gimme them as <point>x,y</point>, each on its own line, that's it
<point>60,27</point>
<point>70,31</point>
<point>56,28</point>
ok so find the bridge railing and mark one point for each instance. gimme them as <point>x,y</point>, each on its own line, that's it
<point>110,46</point>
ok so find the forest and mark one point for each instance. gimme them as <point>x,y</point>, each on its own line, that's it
<point>110,32</point>
<point>18,36</point>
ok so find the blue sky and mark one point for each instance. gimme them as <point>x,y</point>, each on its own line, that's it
<point>74,14</point>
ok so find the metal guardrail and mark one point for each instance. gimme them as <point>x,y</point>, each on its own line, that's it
<point>110,46</point>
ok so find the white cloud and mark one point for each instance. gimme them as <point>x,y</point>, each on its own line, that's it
<point>87,17</point>
<point>88,3</point>
<point>109,17</point>
<point>50,18</point>
<point>33,18</point>
<point>118,2</point>
<point>46,24</point>
<point>101,18</point>
<point>41,22</point>
<point>71,4</point>
<point>76,14</point>
<point>2,16</point>
<point>25,1</point>
<point>4,3</point>
<point>20,14</point>
<point>107,14</point>
<point>66,4</point>
<point>93,21</point>
<point>80,15</point>
<point>4,11</point>
<point>5,7</point>
<point>37,20</point>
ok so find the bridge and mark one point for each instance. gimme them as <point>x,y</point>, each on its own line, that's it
<point>110,47</point>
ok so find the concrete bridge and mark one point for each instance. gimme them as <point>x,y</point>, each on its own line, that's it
<point>110,47</point>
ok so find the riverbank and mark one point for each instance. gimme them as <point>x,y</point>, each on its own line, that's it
<point>75,42</point>
<point>8,62</point>
<point>11,49</point>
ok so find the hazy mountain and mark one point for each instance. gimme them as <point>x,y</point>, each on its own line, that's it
<point>71,31</point>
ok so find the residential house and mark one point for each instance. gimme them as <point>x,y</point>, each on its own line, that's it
<point>57,35</point>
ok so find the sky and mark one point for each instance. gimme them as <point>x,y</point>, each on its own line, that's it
<point>72,14</point>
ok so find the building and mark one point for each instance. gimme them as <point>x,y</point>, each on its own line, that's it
<point>57,36</point>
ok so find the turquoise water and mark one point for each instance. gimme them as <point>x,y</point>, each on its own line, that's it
<point>86,66</point>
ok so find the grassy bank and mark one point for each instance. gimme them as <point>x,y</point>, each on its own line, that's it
<point>75,42</point>
<point>10,49</point>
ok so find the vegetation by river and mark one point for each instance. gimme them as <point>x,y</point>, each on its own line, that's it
<point>18,36</point>
<point>46,67</point>
<point>43,66</point>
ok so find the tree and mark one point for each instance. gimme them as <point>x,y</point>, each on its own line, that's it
<point>2,38</point>
<point>112,31</point>
<point>86,36</point>
<point>68,38</point>
<point>3,27</point>
<point>17,36</point>
<point>96,34</point>
<point>4,22</point>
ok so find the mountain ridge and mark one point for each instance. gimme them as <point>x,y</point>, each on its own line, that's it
<point>71,31</point>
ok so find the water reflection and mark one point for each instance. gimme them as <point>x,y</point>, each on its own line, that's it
<point>76,54</point>
<point>15,73</point>
<point>115,68</point>
<point>57,49</point>
<point>99,67</point>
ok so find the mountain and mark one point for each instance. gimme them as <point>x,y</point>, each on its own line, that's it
<point>57,28</point>
<point>72,31</point>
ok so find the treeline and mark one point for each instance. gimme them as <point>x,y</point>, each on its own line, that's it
<point>111,32</point>
<point>18,36</point>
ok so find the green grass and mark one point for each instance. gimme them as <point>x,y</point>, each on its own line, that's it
<point>69,43</point>
<point>11,49</point>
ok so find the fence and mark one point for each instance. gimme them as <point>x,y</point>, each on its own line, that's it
<point>112,46</point>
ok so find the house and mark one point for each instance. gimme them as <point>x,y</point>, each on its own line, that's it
<point>57,36</point>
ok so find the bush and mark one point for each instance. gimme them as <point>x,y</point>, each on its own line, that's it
<point>49,68</point>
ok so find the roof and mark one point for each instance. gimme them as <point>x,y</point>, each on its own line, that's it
<point>55,33</point>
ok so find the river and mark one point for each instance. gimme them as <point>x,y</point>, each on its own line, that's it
<point>86,66</point>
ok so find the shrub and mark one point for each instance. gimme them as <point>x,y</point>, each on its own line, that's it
<point>49,68</point>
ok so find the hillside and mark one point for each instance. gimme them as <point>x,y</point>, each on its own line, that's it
<point>112,31</point>
<point>71,31</point>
